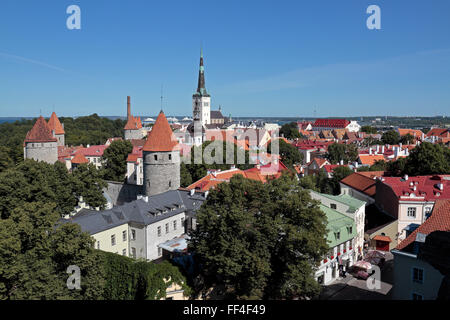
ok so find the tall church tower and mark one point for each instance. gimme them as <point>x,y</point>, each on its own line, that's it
<point>161,155</point>
<point>201,100</point>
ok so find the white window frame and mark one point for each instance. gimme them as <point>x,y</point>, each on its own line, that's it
<point>113,240</point>
<point>413,209</point>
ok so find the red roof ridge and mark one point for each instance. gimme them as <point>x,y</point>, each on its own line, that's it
<point>55,125</point>
<point>40,132</point>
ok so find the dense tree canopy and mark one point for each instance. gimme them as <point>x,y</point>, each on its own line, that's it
<point>91,130</point>
<point>345,152</point>
<point>369,129</point>
<point>290,130</point>
<point>260,240</point>
<point>390,137</point>
<point>35,255</point>
<point>407,139</point>
<point>115,160</point>
<point>33,181</point>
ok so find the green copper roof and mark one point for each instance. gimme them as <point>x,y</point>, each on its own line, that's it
<point>338,222</point>
<point>353,203</point>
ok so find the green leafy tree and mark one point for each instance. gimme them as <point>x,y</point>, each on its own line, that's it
<point>290,130</point>
<point>379,165</point>
<point>260,240</point>
<point>396,167</point>
<point>89,184</point>
<point>390,137</point>
<point>428,158</point>
<point>5,159</point>
<point>35,254</point>
<point>115,160</point>
<point>369,129</point>
<point>407,139</point>
<point>289,154</point>
<point>185,176</point>
<point>337,152</point>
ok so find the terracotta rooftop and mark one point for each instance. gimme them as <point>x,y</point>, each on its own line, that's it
<point>438,221</point>
<point>79,159</point>
<point>92,151</point>
<point>40,132</point>
<point>161,138</point>
<point>361,183</point>
<point>258,173</point>
<point>331,123</point>
<point>370,159</point>
<point>55,125</point>
<point>133,123</point>
<point>439,132</point>
<point>413,132</point>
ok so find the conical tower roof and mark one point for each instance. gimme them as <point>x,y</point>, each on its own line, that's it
<point>40,132</point>
<point>161,138</point>
<point>55,125</point>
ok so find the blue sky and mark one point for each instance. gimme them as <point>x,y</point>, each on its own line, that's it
<point>262,58</point>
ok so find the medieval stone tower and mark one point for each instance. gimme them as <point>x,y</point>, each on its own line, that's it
<point>57,129</point>
<point>40,144</point>
<point>133,128</point>
<point>161,155</point>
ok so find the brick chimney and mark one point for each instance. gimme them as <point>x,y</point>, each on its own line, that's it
<point>128,107</point>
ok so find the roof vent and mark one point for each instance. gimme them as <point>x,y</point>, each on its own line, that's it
<point>192,192</point>
<point>405,177</point>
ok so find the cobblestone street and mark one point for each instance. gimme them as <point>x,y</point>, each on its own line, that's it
<point>350,288</point>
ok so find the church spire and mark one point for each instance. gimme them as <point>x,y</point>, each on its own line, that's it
<point>201,89</point>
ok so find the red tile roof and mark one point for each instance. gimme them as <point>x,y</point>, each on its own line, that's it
<point>413,132</point>
<point>361,183</point>
<point>92,151</point>
<point>135,154</point>
<point>79,159</point>
<point>134,123</point>
<point>55,125</point>
<point>370,159</point>
<point>382,238</point>
<point>331,123</point>
<point>258,173</point>
<point>40,132</point>
<point>161,138</point>
<point>426,187</point>
<point>439,132</point>
<point>438,221</point>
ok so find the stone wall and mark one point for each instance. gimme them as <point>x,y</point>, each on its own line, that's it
<point>120,193</point>
<point>134,134</point>
<point>161,172</point>
<point>42,151</point>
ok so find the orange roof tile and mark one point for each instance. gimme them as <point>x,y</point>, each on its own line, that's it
<point>55,125</point>
<point>370,159</point>
<point>79,158</point>
<point>133,123</point>
<point>40,132</point>
<point>413,132</point>
<point>361,183</point>
<point>161,138</point>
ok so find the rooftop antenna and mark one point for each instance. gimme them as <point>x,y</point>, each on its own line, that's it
<point>162,97</point>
